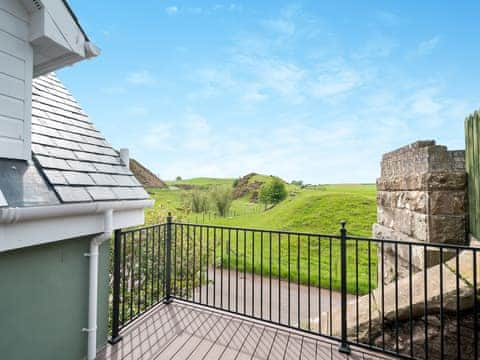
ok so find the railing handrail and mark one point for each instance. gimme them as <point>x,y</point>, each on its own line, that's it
<point>312,234</point>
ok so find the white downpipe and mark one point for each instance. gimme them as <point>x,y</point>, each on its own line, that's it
<point>93,284</point>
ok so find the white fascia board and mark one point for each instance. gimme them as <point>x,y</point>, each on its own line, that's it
<point>43,231</point>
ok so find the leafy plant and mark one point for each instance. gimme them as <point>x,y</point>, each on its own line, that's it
<point>222,199</point>
<point>273,192</point>
<point>297,182</point>
<point>198,201</point>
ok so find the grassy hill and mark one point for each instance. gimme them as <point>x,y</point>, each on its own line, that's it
<point>202,182</point>
<point>317,209</point>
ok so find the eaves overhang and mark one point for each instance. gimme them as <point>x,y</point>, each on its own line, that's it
<point>26,227</point>
<point>56,36</point>
<point>17,215</point>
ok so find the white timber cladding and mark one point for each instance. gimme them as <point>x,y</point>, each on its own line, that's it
<point>16,72</point>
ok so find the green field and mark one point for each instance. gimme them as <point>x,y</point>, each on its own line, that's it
<point>316,209</point>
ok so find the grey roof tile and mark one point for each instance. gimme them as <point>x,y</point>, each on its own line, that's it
<point>78,178</point>
<point>40,149</point>
<point>129,193</point>
<point>61,153</point>
<point>74,157</point>
<point>81,166</point>
<point>44,140</point>
<point>103,179</point>
<point>55,177</point>
<point>52,163</point>
<point>69,194</point>
<point>101,193</point>
<point>126,180</point>
<point>67,144</point>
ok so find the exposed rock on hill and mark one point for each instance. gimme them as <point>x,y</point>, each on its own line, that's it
<point>247,186</point>
<point>145,176</point>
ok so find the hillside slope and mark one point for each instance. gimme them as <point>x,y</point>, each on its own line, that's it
<point>147,178</point>
<point>249,185</point>
<point>316,211</point>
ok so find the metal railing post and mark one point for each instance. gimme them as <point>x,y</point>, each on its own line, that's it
<point>116,288</point>
<point>168,261</point>
<point>344,347</point>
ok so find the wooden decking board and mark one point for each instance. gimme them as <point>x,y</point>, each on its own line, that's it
<point>182,337</point>
<point>181,331</point>
<point>197,339</point>
<point>159,334</point>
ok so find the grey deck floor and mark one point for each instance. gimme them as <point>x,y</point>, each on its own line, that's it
<point>183,331</point>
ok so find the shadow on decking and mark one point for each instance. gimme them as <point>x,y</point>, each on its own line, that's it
<point>185,331</point>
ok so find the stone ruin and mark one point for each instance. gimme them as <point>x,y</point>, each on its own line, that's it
<point>422,198</point>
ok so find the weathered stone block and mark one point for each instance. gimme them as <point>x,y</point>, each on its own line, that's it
<point>411,200</point>
<point>405,221</point>
<point>421,198</point>
<point>447,202</point>
<point>447,229</point>
<point>445,181</point>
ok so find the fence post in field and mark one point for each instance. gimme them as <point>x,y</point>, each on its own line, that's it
<point>344,348</point>
<point>168,261</point>
<point>116,288</point>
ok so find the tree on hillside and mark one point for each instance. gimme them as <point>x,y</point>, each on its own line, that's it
<point>198,201</point>
<point>272,192</point>
<point>297,182</point>
<point>178,178</point>
<point>222,199</point>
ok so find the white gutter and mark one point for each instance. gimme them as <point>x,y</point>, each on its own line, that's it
<point>15,215</point>
<point>93,284</point>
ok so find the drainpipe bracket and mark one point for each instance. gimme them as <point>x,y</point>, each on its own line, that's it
<point>90,254</point>
<point>89,330</point>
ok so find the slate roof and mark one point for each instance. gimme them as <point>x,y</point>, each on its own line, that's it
<point>74,157</point>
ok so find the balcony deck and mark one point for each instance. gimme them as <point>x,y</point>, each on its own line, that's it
<point>185,331</point>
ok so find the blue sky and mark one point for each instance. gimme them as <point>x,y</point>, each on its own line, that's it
<point>309,90</point>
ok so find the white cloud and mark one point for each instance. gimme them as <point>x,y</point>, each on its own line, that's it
<point>138,111</point>
<point>141,77</point>
<point>113,90</point>
<point>171,10</point>
<point>334,78</point>
<point>427,46</point>
<point>378,45</point>
<point>282,26</point>
<point>196,132</point>
<point>253,95</point>
<point>159,136</point>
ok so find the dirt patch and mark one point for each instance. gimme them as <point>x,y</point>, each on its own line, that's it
<point>245,187</point>
<point>146,177</point>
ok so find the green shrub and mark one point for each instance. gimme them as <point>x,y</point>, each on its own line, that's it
<point>199,201</point>
<point>235,182</point>
<point>273,192</point>
<point>222,199</point>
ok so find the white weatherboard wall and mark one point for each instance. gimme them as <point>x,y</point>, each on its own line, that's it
<point>16,71</point>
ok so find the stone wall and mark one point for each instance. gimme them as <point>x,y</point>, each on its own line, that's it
<point>421,197</point>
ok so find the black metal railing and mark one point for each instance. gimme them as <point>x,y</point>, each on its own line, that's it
<point>139,274</point>
<point>321,284</point>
